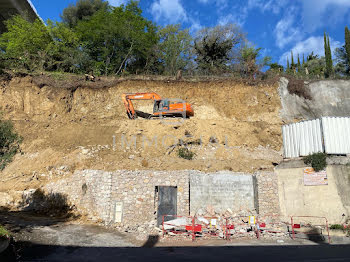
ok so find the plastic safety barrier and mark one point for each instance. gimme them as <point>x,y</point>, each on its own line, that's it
<point>241,226</point>
<point>179,225</point>
<point>271,225</point>
<point>310,226</point>
<point>210,227</point>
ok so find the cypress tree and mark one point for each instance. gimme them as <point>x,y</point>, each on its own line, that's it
<point>287,64</point>
<point>330,61</point>
<point>299,65</point>
<point>303,59</point>
<point>347,44</point>
<point>328,56</point>
<point>292,59</point>
<point>326,50</point>
<point>325,46</point>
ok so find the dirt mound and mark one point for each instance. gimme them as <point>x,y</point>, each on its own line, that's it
<point>64,129</point>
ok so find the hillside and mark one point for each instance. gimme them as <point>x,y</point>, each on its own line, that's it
<point>68,128</point>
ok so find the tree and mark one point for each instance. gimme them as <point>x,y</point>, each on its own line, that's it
<point>312,56</point>
<point>275,68</point>
<point>65,53</point>
<point>315,65</point>
<point>330,60</point>
<point>292,66</point>
<point>288,64</point>
<point>25,43</point>
<point>342,66</point>
<point>347,43</point>
<point>303,59</point>
<point>251,63</point>
<point>175,48</point>
<point>217,48</point>
<point>328,56</point>
<point>299,65</point>
<point>118,39</point>
<point>82,10</point>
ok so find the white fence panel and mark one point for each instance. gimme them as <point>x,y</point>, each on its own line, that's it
<point>302,139</point>
<point>336,134</point>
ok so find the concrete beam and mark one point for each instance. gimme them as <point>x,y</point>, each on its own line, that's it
<point>9,8</point>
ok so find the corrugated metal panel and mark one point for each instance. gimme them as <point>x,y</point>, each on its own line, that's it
<point>302,139</point>
<point>336,135</point>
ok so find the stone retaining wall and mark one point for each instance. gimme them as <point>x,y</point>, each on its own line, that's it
<point>268,199</point>
<point>98,193</point>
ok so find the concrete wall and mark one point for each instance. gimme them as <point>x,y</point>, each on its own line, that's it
<point>342,181</point>
<point>331,201</point>
<point>329,98</point>
<point>221,191</point>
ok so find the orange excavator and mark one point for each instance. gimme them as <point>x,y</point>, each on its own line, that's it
<point>161,107</point>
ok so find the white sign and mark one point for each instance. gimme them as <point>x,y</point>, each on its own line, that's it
<point>312,178</point>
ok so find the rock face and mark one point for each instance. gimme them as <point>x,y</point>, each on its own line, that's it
<point>329,98</point>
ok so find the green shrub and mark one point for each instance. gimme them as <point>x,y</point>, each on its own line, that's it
<point>337,226</point>
<point>185,153</point>
<point>4,232</point>
<point>341,227</point>
<point>318,161</point>
<point>9,142</point>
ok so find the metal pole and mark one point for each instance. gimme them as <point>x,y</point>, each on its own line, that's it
<point>291,218</point>
<point>329,237</point>
<point>163,225</point>
<point>226,231</point>
<point>257,227</point>
<point>193,233</point>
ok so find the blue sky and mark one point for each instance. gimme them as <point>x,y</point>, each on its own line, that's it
<point>277,26</point>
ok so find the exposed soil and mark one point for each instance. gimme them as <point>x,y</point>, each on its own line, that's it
<point>72,127</point>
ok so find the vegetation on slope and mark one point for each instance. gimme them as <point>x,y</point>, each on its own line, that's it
<point>9,143</point>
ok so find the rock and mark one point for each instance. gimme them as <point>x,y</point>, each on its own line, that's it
<point>210,211</point>
<point>5,199</point>
<point>217,210</point>
<point>158,229</point>
<point>132,157</point>
<point>85,151</point>
<point>200,212</point>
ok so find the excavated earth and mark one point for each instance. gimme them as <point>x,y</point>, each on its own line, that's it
<point>86,127</point>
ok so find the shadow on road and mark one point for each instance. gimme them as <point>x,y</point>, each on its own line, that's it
<point>314,235</point>
<point>35,252</point>
<point>151,241</point>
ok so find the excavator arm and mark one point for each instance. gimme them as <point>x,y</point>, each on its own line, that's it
<point>127,99</point>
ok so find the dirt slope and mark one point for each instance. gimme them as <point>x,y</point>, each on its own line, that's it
<point>73,128</point>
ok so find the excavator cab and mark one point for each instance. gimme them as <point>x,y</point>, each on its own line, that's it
<point>161,105</point>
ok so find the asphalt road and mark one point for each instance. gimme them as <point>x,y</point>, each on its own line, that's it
<point>42,239</point>
<point>166,254</point>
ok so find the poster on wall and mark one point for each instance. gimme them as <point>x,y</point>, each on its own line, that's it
<point>312,178</point>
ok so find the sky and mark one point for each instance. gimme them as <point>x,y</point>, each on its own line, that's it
<point>277,26</point>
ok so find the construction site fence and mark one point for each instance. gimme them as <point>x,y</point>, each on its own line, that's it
<point>312,227</point>
<point>236,227</point>
<point>206,227</point>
